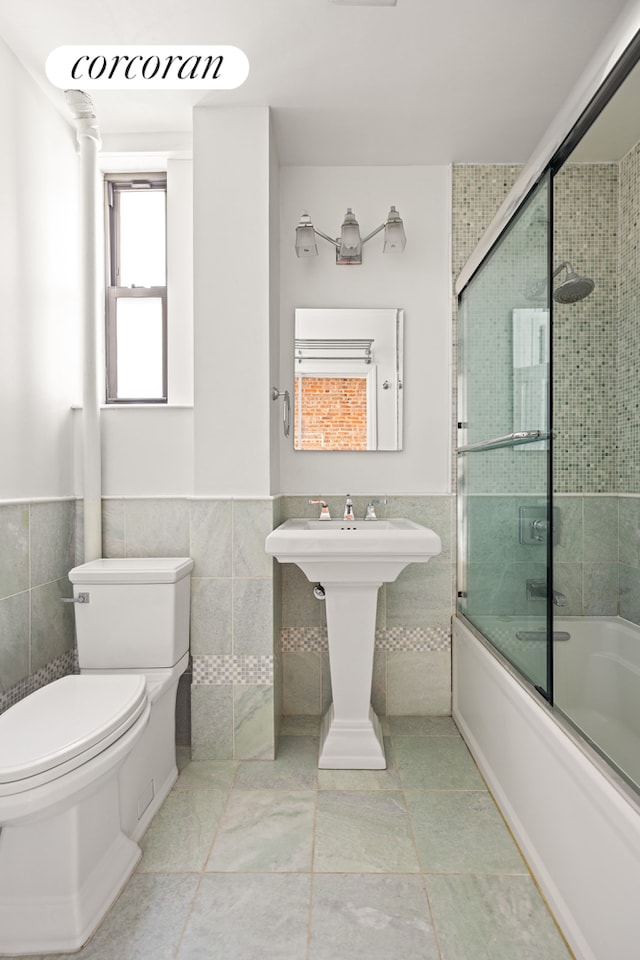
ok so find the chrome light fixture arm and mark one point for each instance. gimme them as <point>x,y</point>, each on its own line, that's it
<point>349,244</point>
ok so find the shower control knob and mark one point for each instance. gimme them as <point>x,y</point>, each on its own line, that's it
<point>539,529</point>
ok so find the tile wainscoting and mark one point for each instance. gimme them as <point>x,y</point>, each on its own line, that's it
<point>258,636</point>
<point>411,672</point>
<point>235,706</point>
<point>36,630</point>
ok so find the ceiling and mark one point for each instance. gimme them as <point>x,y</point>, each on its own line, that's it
<point>422,82</point>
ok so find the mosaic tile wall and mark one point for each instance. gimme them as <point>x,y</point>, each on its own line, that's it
<point>477,192</point>
<point>487,405</point>
<point>628,356</point>
<point>36,630</point>
<point>596,389</point>
<point>584,333</point>
<point>412,665</point>
<point>628,399</point>
<point>598,385</point>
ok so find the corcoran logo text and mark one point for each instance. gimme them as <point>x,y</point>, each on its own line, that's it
<point>150,67</point>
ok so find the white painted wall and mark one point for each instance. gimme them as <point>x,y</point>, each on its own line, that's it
<point>274,310</point>
<point>230,443</point>
<point>416,280</point>
<point>231,154</point>
<point>148,451</point>
<point>40,357</point>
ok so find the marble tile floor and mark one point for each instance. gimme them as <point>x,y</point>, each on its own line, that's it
<point>253,860</point>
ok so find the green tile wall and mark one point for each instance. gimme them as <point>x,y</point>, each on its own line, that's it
<point>36,629</point>
<point>234,702</point>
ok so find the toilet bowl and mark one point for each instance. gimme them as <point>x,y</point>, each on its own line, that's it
<point>134,619</point>
<point>63,854</point>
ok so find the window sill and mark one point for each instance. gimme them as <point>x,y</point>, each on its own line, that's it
<point>139,406</point>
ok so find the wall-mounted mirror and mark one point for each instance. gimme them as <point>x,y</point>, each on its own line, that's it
<point>348,379</point>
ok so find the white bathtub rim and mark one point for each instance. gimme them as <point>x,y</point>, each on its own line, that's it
<point>555,716</point>
<point>603,791</point>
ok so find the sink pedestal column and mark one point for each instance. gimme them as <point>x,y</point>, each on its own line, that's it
<point>351,733</point>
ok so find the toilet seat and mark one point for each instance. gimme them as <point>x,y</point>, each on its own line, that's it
<point>63,725</point>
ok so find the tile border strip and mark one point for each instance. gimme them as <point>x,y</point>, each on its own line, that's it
<point>395,639</point>
<point>226,669</point>
<point>63,665</point>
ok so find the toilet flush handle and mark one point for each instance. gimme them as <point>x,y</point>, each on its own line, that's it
<point>81,598</point>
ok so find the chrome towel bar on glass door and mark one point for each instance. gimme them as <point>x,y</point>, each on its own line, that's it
<point>509,440</point>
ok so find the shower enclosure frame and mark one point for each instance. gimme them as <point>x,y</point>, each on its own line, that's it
<point>576,820</point>
<point>623,51</point>
<point>501,434</point>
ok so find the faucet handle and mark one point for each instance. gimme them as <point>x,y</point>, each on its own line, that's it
<point>324,509</point>
<point>371,512</point>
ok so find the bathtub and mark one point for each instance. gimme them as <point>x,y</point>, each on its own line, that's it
<point>597,686</point>
<point>577,822</point>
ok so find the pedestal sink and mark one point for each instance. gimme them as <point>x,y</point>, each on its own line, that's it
<point>351,559</point>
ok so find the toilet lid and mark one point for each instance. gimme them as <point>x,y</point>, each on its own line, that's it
<point>65,719</point>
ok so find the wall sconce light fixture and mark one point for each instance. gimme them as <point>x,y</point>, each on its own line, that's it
<point>349,244</point>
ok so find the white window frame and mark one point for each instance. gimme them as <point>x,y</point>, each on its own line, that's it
<point>115,185</point>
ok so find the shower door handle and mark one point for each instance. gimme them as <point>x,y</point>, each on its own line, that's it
<point>510,440</point>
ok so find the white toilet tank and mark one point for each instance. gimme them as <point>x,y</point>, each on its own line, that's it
<point>136,612</point>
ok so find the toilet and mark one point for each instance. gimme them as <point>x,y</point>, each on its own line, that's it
<point>63,854</point>
<point>87,760</point>
<point>136,621</point>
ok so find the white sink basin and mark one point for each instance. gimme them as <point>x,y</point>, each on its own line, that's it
<point>351,559</point>
<point>364,550</point>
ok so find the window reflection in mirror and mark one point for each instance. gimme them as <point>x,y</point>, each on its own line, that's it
<point>348,379</point>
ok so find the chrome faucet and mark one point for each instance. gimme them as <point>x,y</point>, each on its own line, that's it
<point>348,509</point>
<point>324,509</point>
<point>538,588</point>
<point>559,598</point>
<point>371,510</point>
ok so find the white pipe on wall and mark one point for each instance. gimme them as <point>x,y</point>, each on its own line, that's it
<point>89,143</point>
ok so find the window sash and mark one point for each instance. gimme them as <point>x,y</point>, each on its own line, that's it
<point>120,293</point>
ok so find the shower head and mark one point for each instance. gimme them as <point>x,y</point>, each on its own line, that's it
<point>573,287</point>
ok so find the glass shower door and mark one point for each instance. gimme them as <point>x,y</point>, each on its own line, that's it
<point>503,444</point>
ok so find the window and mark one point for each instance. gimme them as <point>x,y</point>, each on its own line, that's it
<point>136,309</point>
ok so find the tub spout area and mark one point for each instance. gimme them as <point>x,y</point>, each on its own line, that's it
<point>538,588</point>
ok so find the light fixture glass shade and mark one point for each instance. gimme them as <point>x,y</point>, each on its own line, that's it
<point>350,242</point>
<point>306,245</point>
<point>394,236</point>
